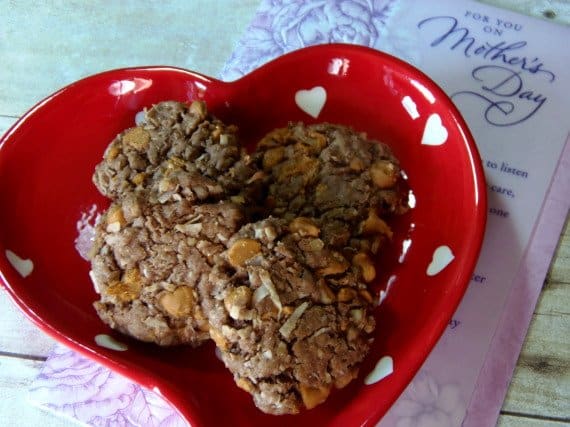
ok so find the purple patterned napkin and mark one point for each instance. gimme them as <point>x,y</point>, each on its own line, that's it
<point>78,388</point>
<point>281,26</point>
<point>469,49</point>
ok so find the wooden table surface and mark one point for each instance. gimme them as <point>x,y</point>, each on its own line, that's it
<point>46,45</point>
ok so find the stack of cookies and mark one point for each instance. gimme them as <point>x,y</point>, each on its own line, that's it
<point>269,254</point>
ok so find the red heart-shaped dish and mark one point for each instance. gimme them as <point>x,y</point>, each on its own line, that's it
<point>48,157</point>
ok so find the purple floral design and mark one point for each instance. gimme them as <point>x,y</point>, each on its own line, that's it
<point>281,26</point>
<point>74,386</point>
<point>427,403</point>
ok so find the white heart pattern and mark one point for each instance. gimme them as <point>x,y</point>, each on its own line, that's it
<point>311,101</point>
<point>383,368</point>
<point>434,132</point>
<point>410,106</point>
<point>107,341</point>
<point>22,266</point>
<point>442,257</point>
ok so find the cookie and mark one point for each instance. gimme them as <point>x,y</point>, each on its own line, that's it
<point>291,316</point>
<point>178,152</point>
<point>330,172</point>
<point>148,261</point>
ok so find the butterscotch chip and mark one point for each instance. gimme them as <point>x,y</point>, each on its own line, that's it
<point>122,291</point>
<point>181,302</point>
<point>138,179</point>
<point>132,277</point>
<point>346,294</point>
<point>199,109</point>
<point>327,295</point>
<point>364,263</point>
<point>112,152</point>
<point>343,380</point>
<point>238,301</point>
<point>384,173</point>
<point>219,339</point>
<point>313,396</point>
<point>115,219</point>
<point>356,164</point>
<point>242,250</point>
<point>138,138</point>
<point>316,140</point>
<point>245,384</point>
<point>373,224</point>
<point>272,157</point>
<point>175,163</point>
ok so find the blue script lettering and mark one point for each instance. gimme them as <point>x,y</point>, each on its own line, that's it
<point>502,90</point>
<point>461,38</point>
<point>505,94</point>
<point>454,323</point>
